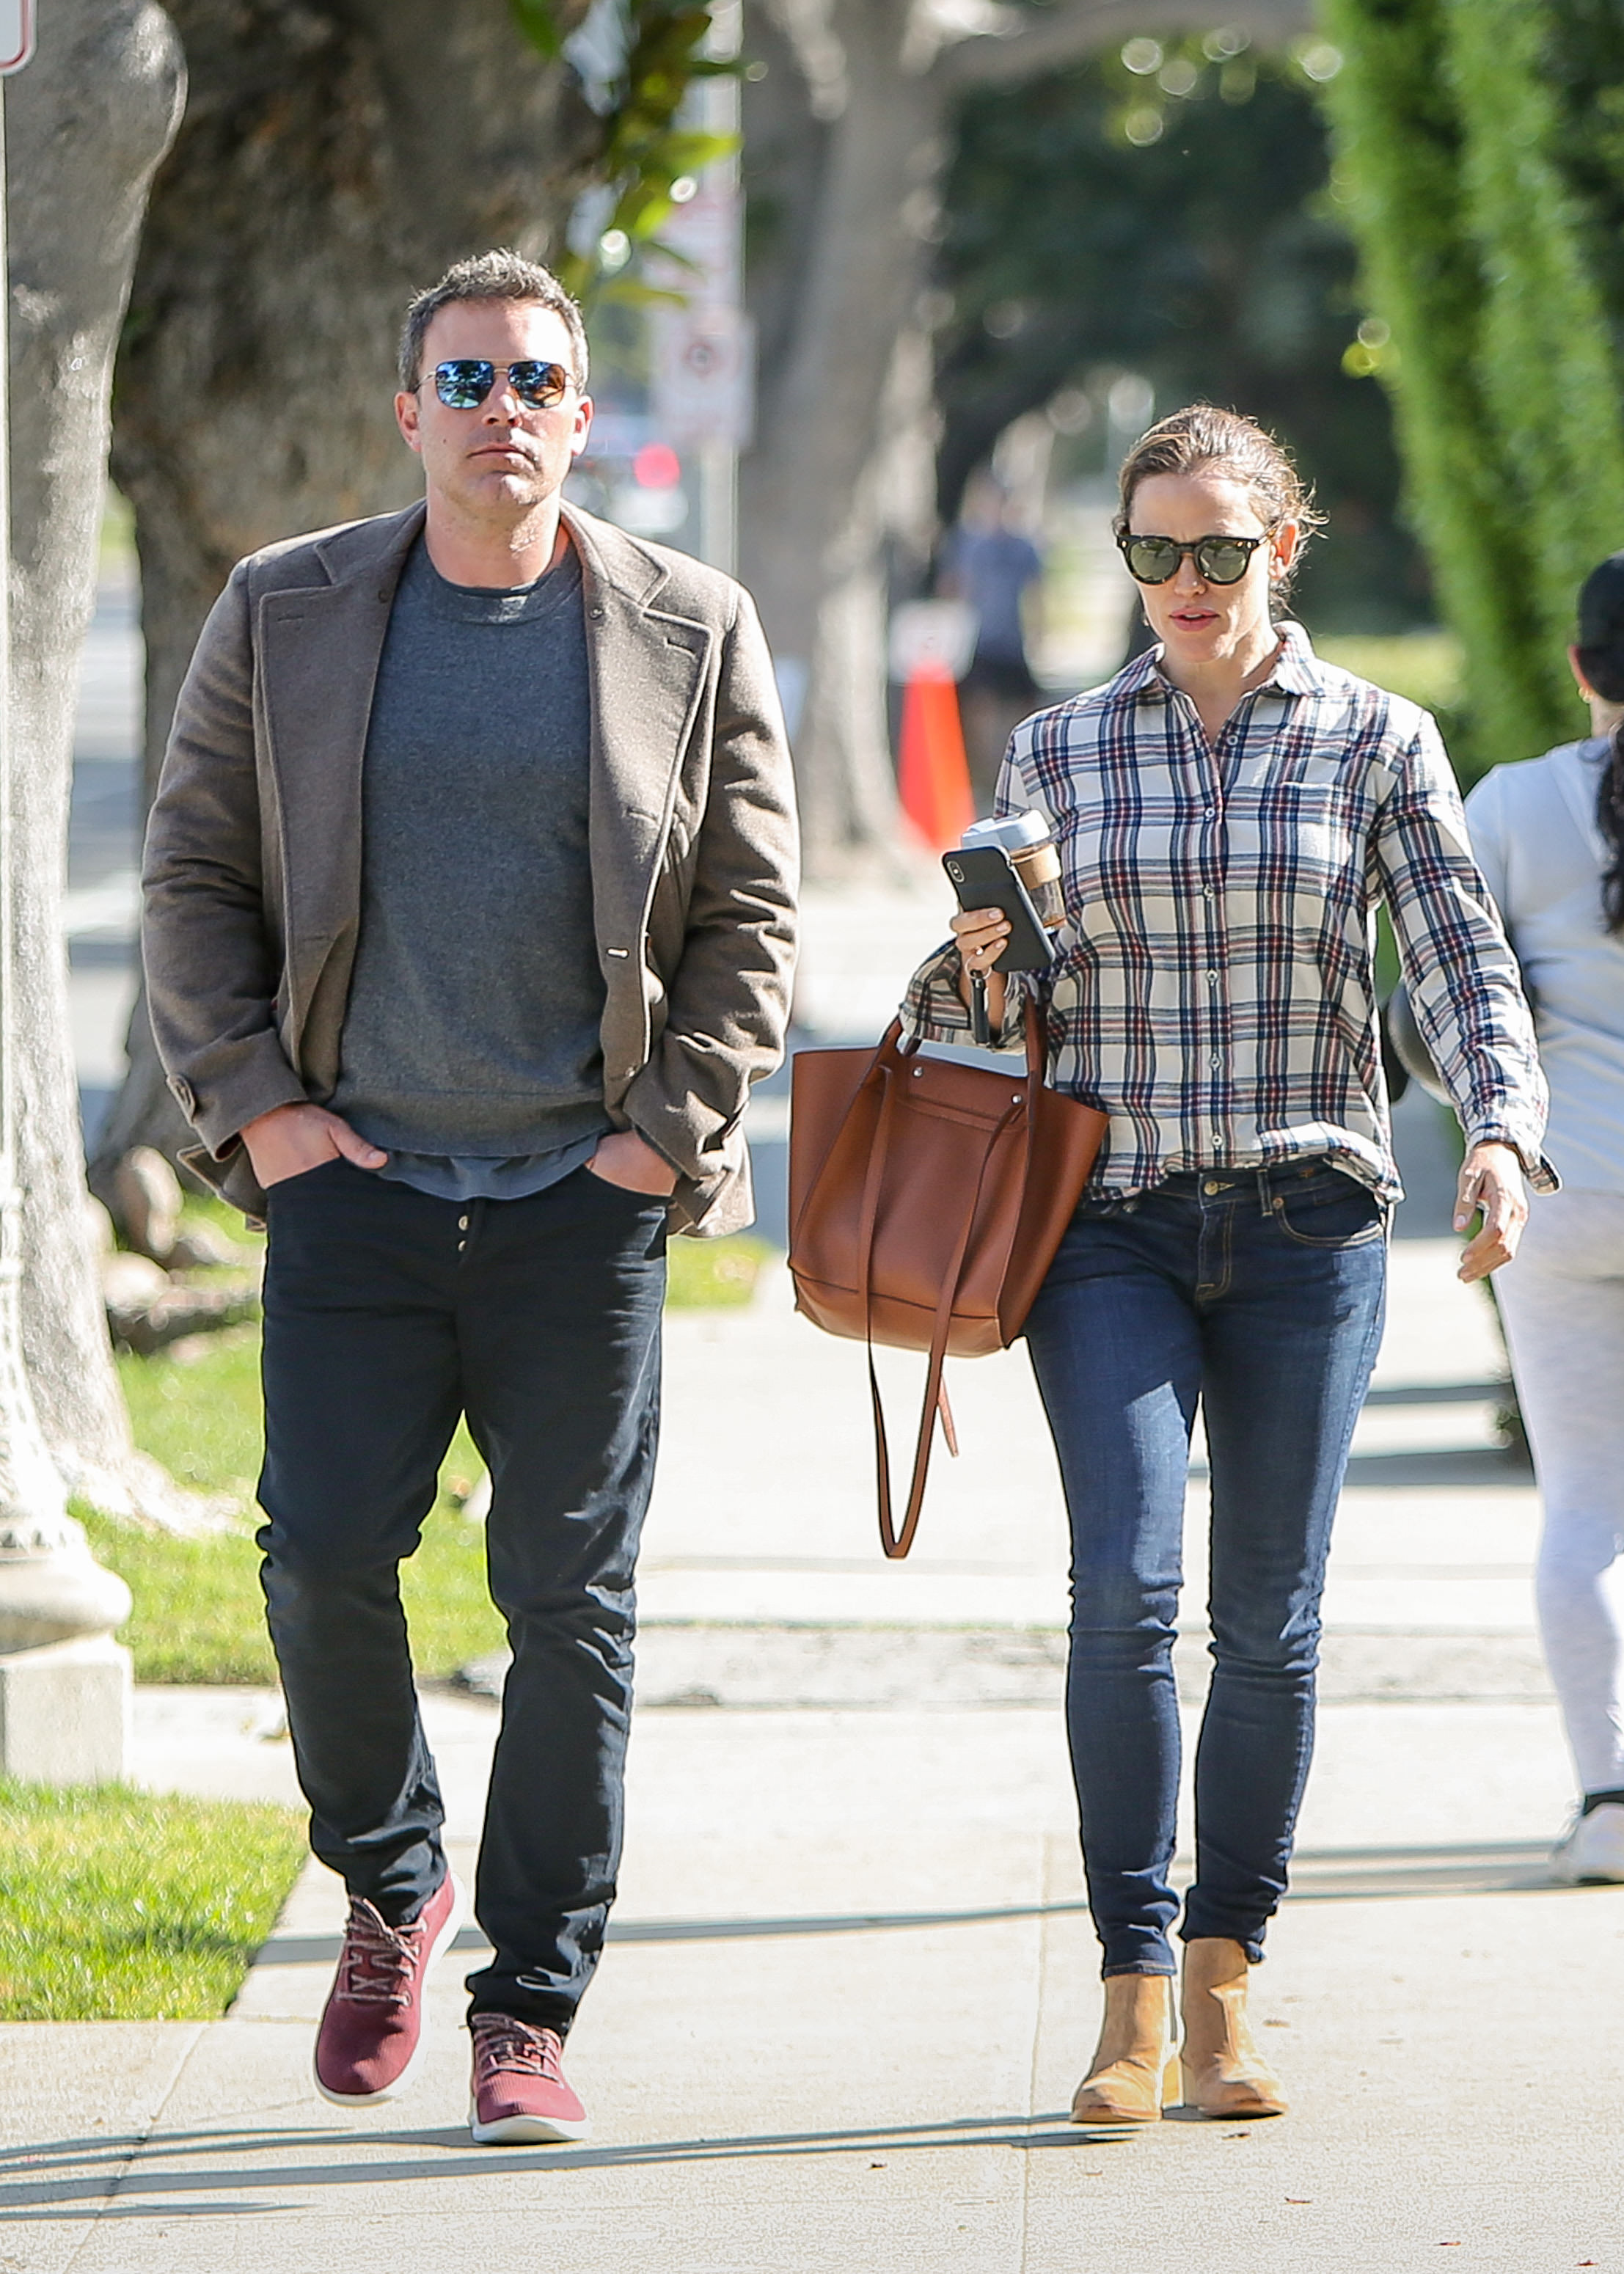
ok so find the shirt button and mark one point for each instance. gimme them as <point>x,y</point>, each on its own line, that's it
<point>1212,979</point>
<point>462,1244</point>
<point>1208,892</point>
<point>1217,1060</point>
<point>461,1224</point>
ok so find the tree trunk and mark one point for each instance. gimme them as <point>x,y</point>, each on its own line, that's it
<point>85,124</point>
<point>819,497</point>
<point>846,143</point>
<point>335,156</point>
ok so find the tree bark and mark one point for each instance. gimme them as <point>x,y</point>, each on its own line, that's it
<point>86,123</point>
<point>335,156</point>
<point>851,185</point>
<point>846,143</point>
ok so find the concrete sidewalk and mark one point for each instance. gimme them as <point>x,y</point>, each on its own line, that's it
<point>852,1983</point>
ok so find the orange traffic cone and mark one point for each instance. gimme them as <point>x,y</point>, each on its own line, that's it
<point>933,775</point>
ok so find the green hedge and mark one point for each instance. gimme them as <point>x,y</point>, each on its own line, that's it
<point>1475,243</point>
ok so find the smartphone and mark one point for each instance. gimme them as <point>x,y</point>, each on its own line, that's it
<point>984,877</point>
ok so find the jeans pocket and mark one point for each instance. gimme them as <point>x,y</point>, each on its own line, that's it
<point>1104,1208</point>
<point>628,1193</point>
<point>303,1177</point>
<point>1329,1209</point>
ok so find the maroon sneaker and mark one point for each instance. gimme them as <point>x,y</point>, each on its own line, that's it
<point>371,2045</point>
<point>520,2091</point>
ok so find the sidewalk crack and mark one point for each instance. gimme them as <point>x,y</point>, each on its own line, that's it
<point>144,2130</point>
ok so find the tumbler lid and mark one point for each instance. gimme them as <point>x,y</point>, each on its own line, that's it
<point>1014,833</point>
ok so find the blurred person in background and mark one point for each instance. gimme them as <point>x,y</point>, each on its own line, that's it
<point>1549,834</point>
<point>1230,812</point>
<point>991,566</point>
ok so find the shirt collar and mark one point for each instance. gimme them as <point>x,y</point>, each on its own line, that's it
<point>1298,669</point>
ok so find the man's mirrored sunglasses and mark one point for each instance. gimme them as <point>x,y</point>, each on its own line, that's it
<point>1218,559</point>
<point>463,384</point>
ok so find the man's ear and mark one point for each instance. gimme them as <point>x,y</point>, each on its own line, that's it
<point>406,417</point>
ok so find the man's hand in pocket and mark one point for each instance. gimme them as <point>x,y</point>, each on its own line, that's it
<point>623,1158</point>
<point>290,1138</point>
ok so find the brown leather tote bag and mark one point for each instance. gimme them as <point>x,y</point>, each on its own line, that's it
<point>926,1200</point>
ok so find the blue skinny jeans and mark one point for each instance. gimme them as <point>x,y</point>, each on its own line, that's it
<point>1259,1293</point>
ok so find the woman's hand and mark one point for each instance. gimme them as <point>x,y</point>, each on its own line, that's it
<point>981,934</point>
<point>1491,1180</point>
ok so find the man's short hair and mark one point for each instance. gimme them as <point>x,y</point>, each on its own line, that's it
<point>499,276</point>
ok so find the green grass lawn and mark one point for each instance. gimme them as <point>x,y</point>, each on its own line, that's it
<point>125,1906</point>
<point>199,1612</point>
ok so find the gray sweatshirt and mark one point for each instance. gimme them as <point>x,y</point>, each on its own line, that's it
<point>470,1042</point>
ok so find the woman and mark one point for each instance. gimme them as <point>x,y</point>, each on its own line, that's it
<point>1550,836</point>
<point>1229,810</point>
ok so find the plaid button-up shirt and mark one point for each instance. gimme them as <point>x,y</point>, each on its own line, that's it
<point>1214,990</point>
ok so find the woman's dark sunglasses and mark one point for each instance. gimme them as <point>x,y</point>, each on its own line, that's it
<point>1218,559</point>
<point>465,384</point>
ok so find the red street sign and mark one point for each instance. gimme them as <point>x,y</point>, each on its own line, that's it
<point>16,35</point>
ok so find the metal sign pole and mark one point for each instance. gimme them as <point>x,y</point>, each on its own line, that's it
<point>701,351</point>
<point>63,1700</point>
<point>718,458</point>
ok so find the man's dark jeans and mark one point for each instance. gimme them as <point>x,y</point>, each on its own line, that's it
<point>387,1314</point>
<point>1261,1294</point>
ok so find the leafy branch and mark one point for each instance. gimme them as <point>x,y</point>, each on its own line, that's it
<point>646,156</point>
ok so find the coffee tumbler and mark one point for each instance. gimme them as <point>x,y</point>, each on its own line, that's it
<point>1033,856</point>
<point>1028,844</point>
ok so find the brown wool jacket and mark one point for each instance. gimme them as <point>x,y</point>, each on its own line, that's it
<point>252,876</point>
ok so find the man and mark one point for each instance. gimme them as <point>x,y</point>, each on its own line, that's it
<point>469,925</point>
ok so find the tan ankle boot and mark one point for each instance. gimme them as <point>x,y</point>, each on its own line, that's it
<point>1225,2074</point>
<point>1134,2073</point>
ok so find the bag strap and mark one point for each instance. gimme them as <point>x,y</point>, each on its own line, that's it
<point>890,1049</point>
<point>897,1544</point>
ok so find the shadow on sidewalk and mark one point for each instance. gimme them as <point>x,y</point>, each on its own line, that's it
<point>104,2172</point>
<point>1319,1875</point>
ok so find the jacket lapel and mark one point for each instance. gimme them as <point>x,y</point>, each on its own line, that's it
<point>319,647</point>
<point>647,667</point>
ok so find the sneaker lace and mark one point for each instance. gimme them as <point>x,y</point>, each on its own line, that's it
<point>503,2042</point>
<point>379,1960</point>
